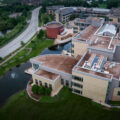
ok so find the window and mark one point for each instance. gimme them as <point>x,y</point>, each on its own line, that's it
<point>75,28</point>
<point>40,83</point>
<point>72,45</point>
<point>62,81</point>
<point>36,66</point>
<point>78,78</point>
<point>75,31</point>
<point>72,51</point>
<point>46,85</point>
<point>77,91</point>
<point>50,86</point>
<point>67,83</point>
<point>118,93</point>
<point>77,85</point>
<point>119,20</point>
<point>36,81</point>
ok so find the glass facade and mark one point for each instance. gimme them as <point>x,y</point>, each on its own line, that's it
<point>77,85</point>
<point>77,91</point>
<point>36,66</point>
<point>77,78</point>
<point>50,86</point>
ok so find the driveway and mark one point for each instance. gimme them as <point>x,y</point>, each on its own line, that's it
<point>25,36</point>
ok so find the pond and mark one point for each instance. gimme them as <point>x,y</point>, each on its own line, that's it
<point>16,80</point>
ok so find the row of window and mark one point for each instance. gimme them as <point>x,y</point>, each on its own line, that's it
<point>77,91</point>
<point>77,85</point>
<point>77,78</point>
<point>67,82</point>
<point>46,84</point>
<point>118,93</point>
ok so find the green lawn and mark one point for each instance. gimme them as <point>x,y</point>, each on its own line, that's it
<point>115,103</point>
<point>65,106</point>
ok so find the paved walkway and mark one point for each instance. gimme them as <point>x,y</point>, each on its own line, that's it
<point>25,36</point>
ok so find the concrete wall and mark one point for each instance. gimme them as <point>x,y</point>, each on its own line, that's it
<point>117,54</point>
<point>116,97</point>
<point>93,88</point>
<point>80,48</point>
<point>57,17</point>
<point>55,84</point>
<point>103,52</point>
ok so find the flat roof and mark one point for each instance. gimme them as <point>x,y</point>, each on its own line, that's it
<point>46,74</point>
<point>101,42</point>
<point>54,25</point>
<point>113,68</point>
<point>89,59</point>
<point>62,63</point>
<point>88,32</point>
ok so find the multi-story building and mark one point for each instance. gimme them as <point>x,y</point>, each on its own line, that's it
<point>52,71</point>
<point>81,24</point>
<point>51,9</point>
<point>94,69</point>
<point>114,16</point>
<point>63,14</point>
<point>94,12</point>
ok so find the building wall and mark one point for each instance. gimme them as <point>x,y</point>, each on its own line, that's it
<point>116,97</point>
<point>79,48</point>
<point>109,54</point>
<point>113,19</point>
<point>55,85</point>
<point>93,88</point>
<point>53,32</point>
<point>57,17</point>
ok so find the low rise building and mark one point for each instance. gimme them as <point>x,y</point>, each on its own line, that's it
<point>54,29</point>
<point>51,9</point>
<point>81,24</point>
<point>63,14</point>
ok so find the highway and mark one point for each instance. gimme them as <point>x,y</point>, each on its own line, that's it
<point>25,36</point>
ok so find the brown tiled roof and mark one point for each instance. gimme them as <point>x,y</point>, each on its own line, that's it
<point>59,62</point>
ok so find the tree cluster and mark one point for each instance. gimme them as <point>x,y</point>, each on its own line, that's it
<point>41,90</point>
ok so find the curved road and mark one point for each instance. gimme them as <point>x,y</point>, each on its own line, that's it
<point>25,36</point>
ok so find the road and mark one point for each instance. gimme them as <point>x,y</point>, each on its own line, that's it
<point>25,36</point>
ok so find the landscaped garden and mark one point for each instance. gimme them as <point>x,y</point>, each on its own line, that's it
<point>64,106</point>
<point>35,47</point>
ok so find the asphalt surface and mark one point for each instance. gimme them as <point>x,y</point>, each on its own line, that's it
<point>25,36</point>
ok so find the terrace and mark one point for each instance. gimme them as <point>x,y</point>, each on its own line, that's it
<point>45,74</point>
<point>59,62</point>
<point>93,63</point>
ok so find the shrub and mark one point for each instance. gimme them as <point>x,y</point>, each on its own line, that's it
<point>47,91</point>
<point>41,90</point>
<point>35,89</point>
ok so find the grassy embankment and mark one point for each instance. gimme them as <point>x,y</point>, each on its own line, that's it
<point>64,106</point>
<point>36,46</point>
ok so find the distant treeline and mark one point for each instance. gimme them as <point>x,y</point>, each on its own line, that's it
<point>94,3</point>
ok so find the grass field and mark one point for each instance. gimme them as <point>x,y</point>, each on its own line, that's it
<point>65,106</point>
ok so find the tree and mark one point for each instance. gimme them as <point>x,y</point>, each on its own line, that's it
<point>40,34</point>
<point>22,43</point>
<point>0,58</point>
<point>47,91</point>
<point>35,89</point>
<point>41,90</point>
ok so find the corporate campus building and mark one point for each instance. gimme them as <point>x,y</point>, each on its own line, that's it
<point>92,70</point>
